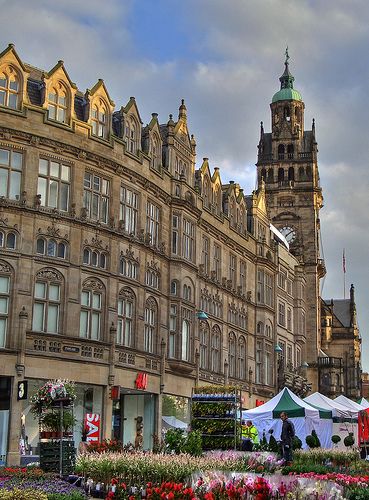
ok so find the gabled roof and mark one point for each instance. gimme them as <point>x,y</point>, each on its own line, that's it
<point>60,65</point>
<point>100,84</point>
<point>341,310</point>
<point>10,48</point>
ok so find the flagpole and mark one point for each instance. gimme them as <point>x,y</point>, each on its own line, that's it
<point>344,273</point>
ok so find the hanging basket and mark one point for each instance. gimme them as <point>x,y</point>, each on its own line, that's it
<point>52,394</point>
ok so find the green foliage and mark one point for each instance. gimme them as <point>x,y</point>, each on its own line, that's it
<point>175,440</point>
<point>193,444</point>
<point>303,469</point>
<point>51,421</point>
<point>357,493</point>
<point>349,440</point>
<point>312,440</point>
<point>66,496</point>
<point>296,443</point>
<point>336,439</point>
<point>68,421</point>
<point>273,445</point>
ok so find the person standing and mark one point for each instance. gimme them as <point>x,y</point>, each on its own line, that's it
<point>287,435</point>
<point>250,435</point>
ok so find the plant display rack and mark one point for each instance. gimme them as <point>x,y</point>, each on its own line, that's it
<point>57,450</point>
<point>216,413</point>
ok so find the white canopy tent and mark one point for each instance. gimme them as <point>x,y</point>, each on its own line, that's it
<point>304,417</point>
<point>349,404</point>
<point>364,402</point>
<point>344,418</point>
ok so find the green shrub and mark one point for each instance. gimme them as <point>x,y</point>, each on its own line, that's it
<point>175,440</point>
<point>336,439</point>
<point>273,445</point>
<point>193,444</point>
<point>349,440</point>
<point>296,443</point>
<point>312,440</point>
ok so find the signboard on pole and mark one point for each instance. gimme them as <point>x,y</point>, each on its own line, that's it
<point>92,424</point>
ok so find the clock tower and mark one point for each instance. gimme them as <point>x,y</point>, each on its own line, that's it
<point>287,164</point>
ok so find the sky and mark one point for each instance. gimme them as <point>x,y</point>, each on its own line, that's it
<point>224,57</point>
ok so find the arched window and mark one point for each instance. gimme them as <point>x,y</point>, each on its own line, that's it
<point>155,153</point>
<point>131,136</point>
<point>99,119</point>
<point>9,88</point>
<point>40,247</point>
<point>286,113</point>
<point>263,174</point>
<point>51,248</point>
<point>128,267</point>
<point>204,345</point>
<point>308,173</point>
<point>268,331</point>
<point>58,103</point>
<point>94,258</point>
<point>241,354</point>
<point>291,174</point>
<point>242,221</point>
<point>152,278</point>
<point>270,175</point>
<point>4,302</point>
<point>61,250</point>
<point>232,213</point>
<point>47,301</point>
<point>260,328</point>
<point>280,175</point>
<point>217,200</point>
<point>281,152</point>
<point>150,326</point>
<point>187,292</point>
<point>301,173</point>
<point>215,350</point>
<point>91,309</point>
<point>232,354</point>
<point>125,330</point>
<point>10,241</point>
<point>173,331</point>
<point>290,151</point>
<point>207,193</point>
<point>174,287</point>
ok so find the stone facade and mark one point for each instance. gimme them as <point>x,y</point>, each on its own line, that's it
<point>113,246</point>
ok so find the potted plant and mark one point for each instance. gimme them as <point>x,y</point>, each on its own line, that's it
<point>50,394</point>
<point>336,439</point>
<point>50,424</point>
<point>68,422</point>
<point>349,440</point>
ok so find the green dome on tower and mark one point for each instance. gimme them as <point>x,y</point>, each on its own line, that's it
<point>287,92</point>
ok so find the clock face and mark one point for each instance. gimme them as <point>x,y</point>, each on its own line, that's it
<point>289,233</point>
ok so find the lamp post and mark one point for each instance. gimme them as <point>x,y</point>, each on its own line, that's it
<point>278,350</point>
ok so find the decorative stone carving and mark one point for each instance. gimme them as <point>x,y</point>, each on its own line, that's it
<point>93,284</point>
<point>4,267</point>
<point>49,274</point>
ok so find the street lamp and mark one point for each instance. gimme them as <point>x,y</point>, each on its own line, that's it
<point>278,351</point>
<point>202,315</point>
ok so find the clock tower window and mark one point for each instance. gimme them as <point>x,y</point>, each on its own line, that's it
<point>281,152</point>
<point>291,174</point>
<point>280,175</point>
<point>290,151</point>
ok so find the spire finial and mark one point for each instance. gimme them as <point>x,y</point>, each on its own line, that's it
<point>287,56</point>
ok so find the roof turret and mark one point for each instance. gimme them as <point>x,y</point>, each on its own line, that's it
<point>287,92</point>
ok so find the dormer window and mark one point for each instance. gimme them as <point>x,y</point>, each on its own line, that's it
<point>9,88</point>
<point>57,105</point>
<point>131,136</point>
<point>99,119</point>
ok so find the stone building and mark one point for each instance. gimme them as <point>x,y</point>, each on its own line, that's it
<point>125,268</point>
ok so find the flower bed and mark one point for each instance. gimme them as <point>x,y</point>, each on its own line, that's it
<point>33,484</point>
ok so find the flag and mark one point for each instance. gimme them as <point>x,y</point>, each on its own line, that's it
<point>344,261</point>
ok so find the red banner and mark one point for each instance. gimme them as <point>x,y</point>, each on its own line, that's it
<point>141,380</point>
<point>92,425</point>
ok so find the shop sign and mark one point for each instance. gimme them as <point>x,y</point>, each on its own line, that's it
<point>70,348</point>
<point>22,390</point>
<point>141,380</point>
<point>92,426</point>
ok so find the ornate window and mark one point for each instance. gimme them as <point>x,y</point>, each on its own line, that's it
<point>151,312</point>
<point>243,276</point>
<point>95,258</point>
<point>217,306</point>
<point>265,288</point>
<point>188,242</point>
<point>290,151</point>
<point>54,184</point>
<point>172,330</point>
<point>241,361</point>
<point>207,193</point>
<point>174,287</point>
<point>155,152</point>
<point>47,301</point>
<point>187,293</point>
<point>152,222</point>
<point>204,345</point>
<point>175,234</point>
<point>186,335</point>
<point>232,354</point>
<point>232,314</point>
<point>11,164</point>
<point>128,264</point>
<point>8,240</point>
<point>91,309</point>
<point>96,197</point>
<point>131,136</point>
<point>242,220</point>
<point>152,275</point>
<point>9,88</point>
<point>206,302</point>
<point>282,313</point>
<point>218,200</point>
<point>4,301</point>
<point>125,329</point>
<point>99,119</point>
<point>232,269</point>
<point>51,248</point>
<point>58,103</point>
<point>128,210</point>
<point>215,349</point>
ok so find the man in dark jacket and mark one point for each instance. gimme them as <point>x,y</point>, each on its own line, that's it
<point>287,435</point>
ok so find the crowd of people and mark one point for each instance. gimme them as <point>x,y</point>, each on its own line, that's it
<point>250,436</point>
